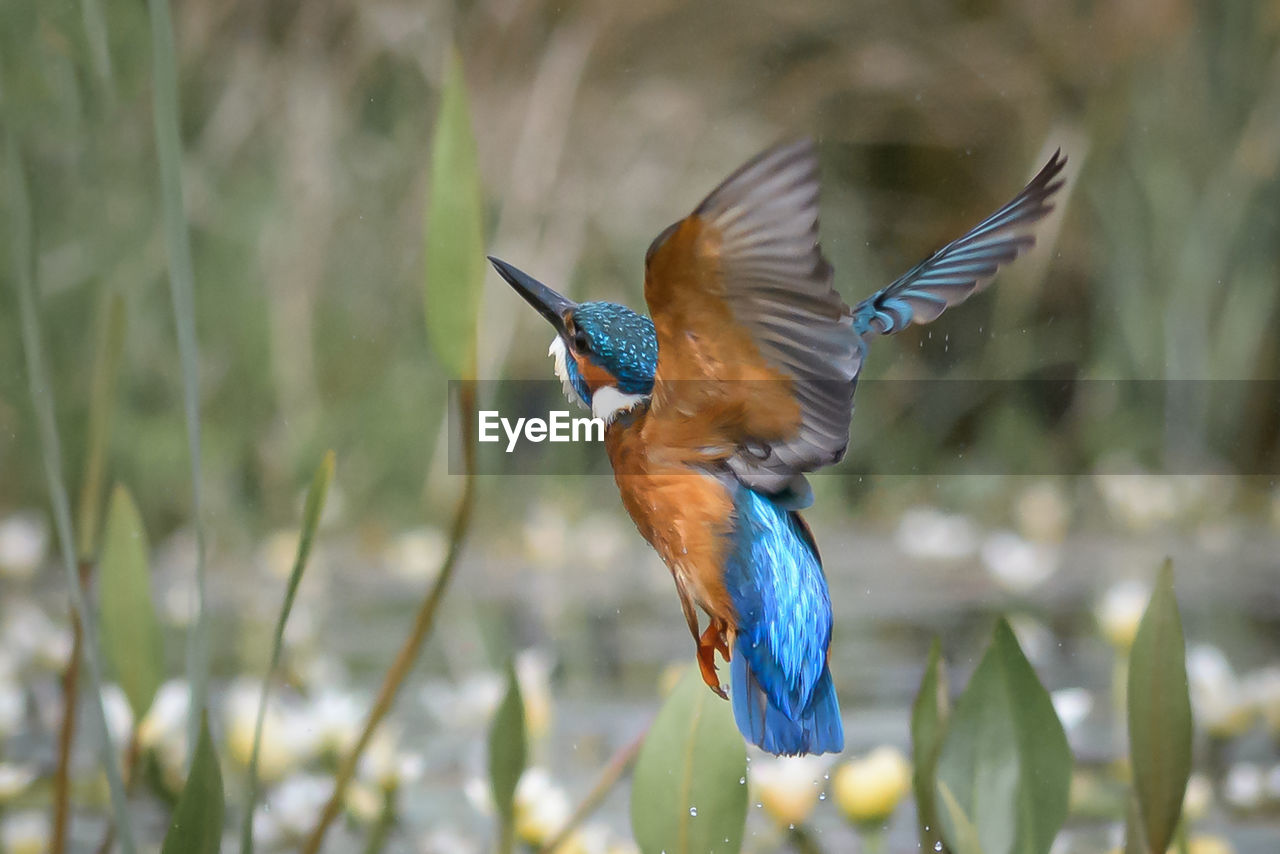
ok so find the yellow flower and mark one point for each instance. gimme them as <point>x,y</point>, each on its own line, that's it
<point>868,790</point>
<point>1209,845</point>
<point>787,788</point>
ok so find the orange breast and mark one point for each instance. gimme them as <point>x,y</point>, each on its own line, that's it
<point>683,513</point>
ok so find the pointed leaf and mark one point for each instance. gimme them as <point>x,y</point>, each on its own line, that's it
<point>507,754</point>
<point>929,716</point>
<point>102,398</point>
<point>130,630</point>
<point>1159,714</point>
<point>1005,757</point>
<point>688,794</point>
<point>311,513</point>
<point>197,820</point>
<point>455,259</point>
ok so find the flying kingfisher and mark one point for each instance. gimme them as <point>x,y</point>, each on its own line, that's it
<point>742,382</point>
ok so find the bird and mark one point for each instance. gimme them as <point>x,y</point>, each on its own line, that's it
<point>738,383</point>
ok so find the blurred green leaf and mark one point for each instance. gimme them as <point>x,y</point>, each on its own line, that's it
<point>196,827</point>
<point>311,513</point>
<point>1159,714</point>
<point>687,794</point>
<point>454,248</point>
<point>929,717</point>
<point>131,633</point>
<point>102,394</point>
<point>507,755</point>
<point>1005,757</point>
<point>965,839</point>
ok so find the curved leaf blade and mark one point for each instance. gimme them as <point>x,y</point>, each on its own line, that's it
<point>196,827</point>
<point>687,794</point>
<point>454,240</point>
<point>131,633</point>
<point>965,835</point>
<point>312,510</point>
<point>508,753</point>
<point>929,716</point>
<point>1160,714</point>
<point>1005,758</point>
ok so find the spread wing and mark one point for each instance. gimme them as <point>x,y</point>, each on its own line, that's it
<point>963,267</point>
<point>756,351</point>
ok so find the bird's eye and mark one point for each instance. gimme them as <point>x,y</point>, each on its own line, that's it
<point>580,342</point>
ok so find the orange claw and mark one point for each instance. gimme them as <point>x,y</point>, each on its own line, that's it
<point>712,639</point>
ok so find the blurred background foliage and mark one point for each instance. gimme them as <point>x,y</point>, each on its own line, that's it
<point>306,131</point>
<point>306,128</point>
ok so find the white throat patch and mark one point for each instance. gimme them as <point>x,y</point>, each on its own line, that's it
<point>606,403</point>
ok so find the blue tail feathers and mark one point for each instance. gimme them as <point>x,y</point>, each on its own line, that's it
<point>817,729</point>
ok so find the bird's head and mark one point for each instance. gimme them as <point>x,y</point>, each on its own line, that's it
<point>605,353</point>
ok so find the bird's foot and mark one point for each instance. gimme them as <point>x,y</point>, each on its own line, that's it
<point>712,640</point>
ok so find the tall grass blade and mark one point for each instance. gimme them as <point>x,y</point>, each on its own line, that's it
<point>182,290</point>
<point>23,255</point>
<point>311,513</point>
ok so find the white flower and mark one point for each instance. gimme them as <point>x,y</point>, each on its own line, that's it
<point>1017,564</point>
<point>1120,611</point>
<point>385,764</point>
<point>287,741</point>
<point>14,780</point>
<point>416,555</point>
<point>163,731</point>
<point>1072,706</point>
<point>930,534</point>
<point>788,789</point>
<point>1244,786</point>
<point>25,832</point>
<point>363,802</point>
<point>541,807</point>
<point>335,719</point>
<point>469,704</point>
<point>1220,704</point>
<point>297,801</point>
<point>24,541</point>
<point>33,638</point>
<point>119,716</point>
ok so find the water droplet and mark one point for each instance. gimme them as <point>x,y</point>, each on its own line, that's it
<point>759,805</point>
<point>693,811</point>
<point>791,826</point>
<point>822,796</point>
<point>742,781</point>
<point>937,846</point>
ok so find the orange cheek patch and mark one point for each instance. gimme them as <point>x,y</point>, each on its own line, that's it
<point>595,376</point>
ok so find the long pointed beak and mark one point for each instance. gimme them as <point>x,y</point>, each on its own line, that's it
<point>549,304</point>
